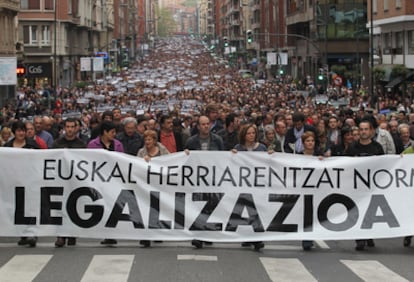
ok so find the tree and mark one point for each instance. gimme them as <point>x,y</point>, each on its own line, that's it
<point>166,24</point>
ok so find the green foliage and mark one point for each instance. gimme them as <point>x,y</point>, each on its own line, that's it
<point>379,73</point>
<point>80,84</point>
<point>339,70</point>
<point>166,24</point>
<point>399,70</point>
<point>190,3</point>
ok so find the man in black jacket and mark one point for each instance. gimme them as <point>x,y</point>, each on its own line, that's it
<point>293,141</point>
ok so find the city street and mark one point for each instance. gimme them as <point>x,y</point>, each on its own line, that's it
<point>179,261</point>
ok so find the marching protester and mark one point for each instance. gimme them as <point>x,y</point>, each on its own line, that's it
<point>152,148</point>
<point>365,146</point>
<point>309,149</point>
<point>69,140</point>
<point>204,140</point>
<point>106,140</point>
<point>21,141</point>
<point>249,142</point>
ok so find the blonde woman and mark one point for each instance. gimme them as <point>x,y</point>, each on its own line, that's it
<point>152,148</point>
<point>5,135</point>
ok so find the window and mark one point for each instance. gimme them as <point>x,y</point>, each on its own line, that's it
<point>374,6</point>
<point>410,42</point>
<point>385,5</point>
<point>398,4</point>
<point>30,34</point>
<point>45,38</point>
<point>30,4</point>
<point>49,5</point>
<point>399,38</point>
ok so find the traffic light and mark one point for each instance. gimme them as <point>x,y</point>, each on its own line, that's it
<point>225,41</point>
<point>320,75</point>
<point>281,72</point>
<point>249,36</point>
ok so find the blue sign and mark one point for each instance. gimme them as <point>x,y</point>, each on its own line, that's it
<point>102,55</point>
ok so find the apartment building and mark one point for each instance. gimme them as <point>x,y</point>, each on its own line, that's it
<point>8,40</point>
<point>393,32</point>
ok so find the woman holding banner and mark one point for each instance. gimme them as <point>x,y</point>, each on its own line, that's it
<point>21,141</point>
<point>106,140</point>
<point>248,138</point>
<point>152,148</point>
<point>309,149</point>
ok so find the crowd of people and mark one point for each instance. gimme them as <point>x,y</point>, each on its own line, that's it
<point>228,113</point>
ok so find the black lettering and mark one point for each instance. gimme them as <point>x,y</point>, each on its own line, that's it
<point>328,202</point>
<point>257,176</point>
<point>186,168</point>
<point>308,213</point>
<point>96,211</point>
<point>288,203</point>
<point>126,197</point>
<point>116,172</point>
<point>212,200</point>
<point>378,202</point>
<point>95,170</point>
<point>46,205</point>
<point>305,183</point>
<point>150,172</point>
<point>19,212</point>
<point>130,180</point>
<point>154,215</point>
<point>60,169</point>
<point>179,213</point>
<point>226,176</point>
<point>170,174</point>
<point>244,173</point>
<point>46,168</point>
<point>385,174</point>
<point>294,169</point>
<point>366,181</point>
<point>202,172</point>
<point>82,169</point>
<point>245,201</point>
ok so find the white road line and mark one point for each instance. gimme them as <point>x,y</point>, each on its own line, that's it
<point>23,268</point>
<point>286,270</point>
<point>371,270</point>
<point>197,257</point>
<point>108,268</point>
<point>132,244</point>
<point>322,244</point>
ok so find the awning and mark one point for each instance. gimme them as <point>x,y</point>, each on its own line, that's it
<point>394,82</point>
<point>398,80</point>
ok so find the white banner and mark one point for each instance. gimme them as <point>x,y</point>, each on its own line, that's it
<point>277,58</point>
<point>8,75</point>
<point>98,64</point>
<point>212,196</point>
<point>85,64</point>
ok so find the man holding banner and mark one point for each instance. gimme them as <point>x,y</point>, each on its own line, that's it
<point>366,146</point>
<point>205,141</point>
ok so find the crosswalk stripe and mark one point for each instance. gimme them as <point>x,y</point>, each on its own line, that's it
<point>322,244</point>
<point>197,257</point>
<point>23,268</point>
<point>108,268</point>
<point>371,270</point>
<point>286,270</point>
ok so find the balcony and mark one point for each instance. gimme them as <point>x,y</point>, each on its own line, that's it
<point>13,5</point>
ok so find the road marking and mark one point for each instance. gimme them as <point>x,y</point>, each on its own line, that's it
<point>322,244</point>
<point>108,268</point>
<point>286,270</point>
<point>133,244</point>
<point>197,257</point>
<point>370,270</point>
<point>23,268</point>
